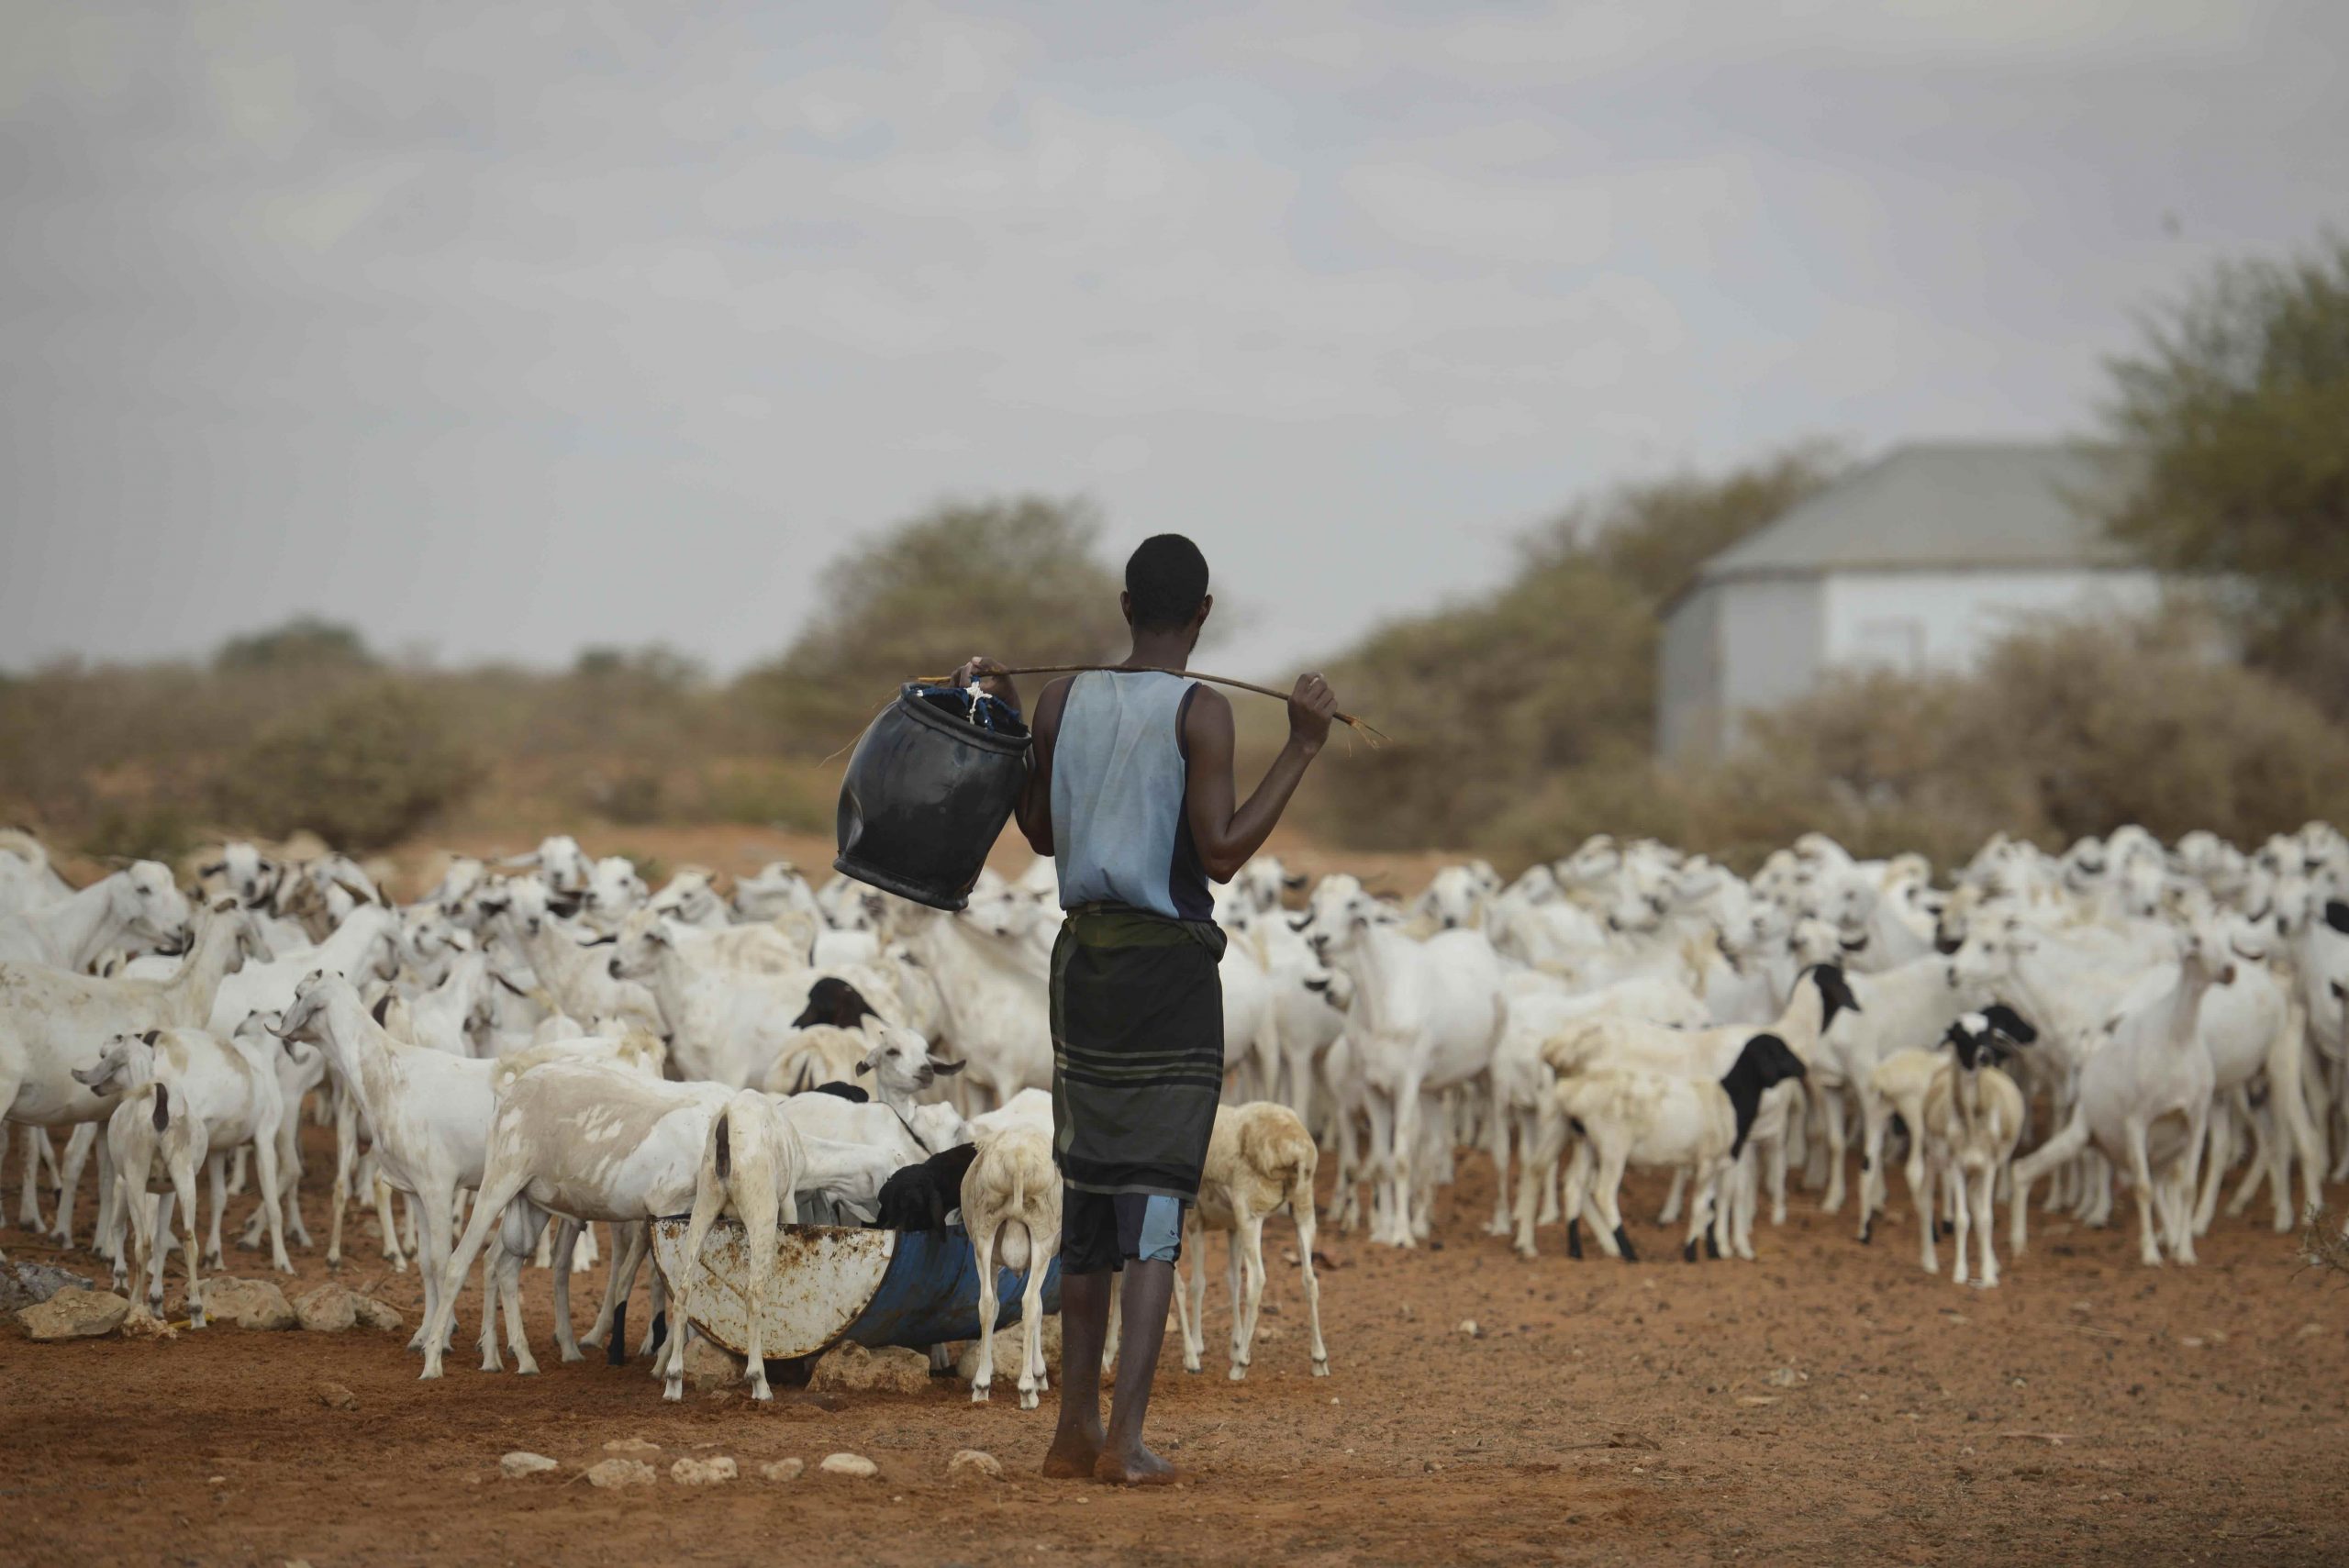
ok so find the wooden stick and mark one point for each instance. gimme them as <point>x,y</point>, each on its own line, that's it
<point>1370,733</point>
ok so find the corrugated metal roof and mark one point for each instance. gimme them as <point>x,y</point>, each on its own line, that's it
<point>1942,505</point>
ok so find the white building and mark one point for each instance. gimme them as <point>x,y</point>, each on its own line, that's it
<point>1918,561</point>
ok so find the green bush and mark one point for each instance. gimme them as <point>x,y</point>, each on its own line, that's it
<point>362,769</point>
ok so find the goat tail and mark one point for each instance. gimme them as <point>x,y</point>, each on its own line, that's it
<point>1017,1239</point>
<point>162,1108</point>
<point>722,1136</point>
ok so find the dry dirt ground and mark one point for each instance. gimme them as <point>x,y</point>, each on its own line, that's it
<point>1830,1403</point>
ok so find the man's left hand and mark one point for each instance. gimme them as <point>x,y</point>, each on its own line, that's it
<point>989,676</point>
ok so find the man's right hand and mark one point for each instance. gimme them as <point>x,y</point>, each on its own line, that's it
<point>1310,708</point>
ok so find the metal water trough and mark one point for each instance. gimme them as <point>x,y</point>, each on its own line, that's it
<point>834,1285</point>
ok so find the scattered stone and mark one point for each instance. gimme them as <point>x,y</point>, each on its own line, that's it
<point>247,1304</point>
<point>374,1314</point>
<point>2310,1331</point>
<point>29,1284</point>
<point>1784,1377</point>
<point>1757,1399</point>
<point>631,1445</point>
<point>784,1469</point>
<point>708,1366</point>
<point>328,1309</point>
<point>518,1464</point>
<point>702,1471</point>
<point>335,1396</point>
<point>853,1369</point>
<point>967,1363</point>
<point>1468,1327</point>
<point>74,1313</point>
<point>848,1465</point>
<point>611,1472</point>
<point>974,1464</point>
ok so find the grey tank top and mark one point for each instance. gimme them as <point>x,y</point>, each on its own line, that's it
<point>1119,833</point>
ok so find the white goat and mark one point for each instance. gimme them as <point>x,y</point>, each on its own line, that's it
<point>1011,1200</point>
<point>1259,1159</point>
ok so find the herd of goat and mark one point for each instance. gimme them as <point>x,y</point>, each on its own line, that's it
<point>538,1046</point>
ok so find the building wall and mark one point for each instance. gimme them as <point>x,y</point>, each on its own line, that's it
<point>1688,679</point>
<point>1945,619</point>
<point>1731,647</point>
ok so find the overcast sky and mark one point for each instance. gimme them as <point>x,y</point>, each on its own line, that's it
<point>502,329</point>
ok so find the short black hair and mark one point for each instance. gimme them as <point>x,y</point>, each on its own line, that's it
<point>1166,577</point>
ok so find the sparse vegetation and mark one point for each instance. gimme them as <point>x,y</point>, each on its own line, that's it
<point>362,769</point>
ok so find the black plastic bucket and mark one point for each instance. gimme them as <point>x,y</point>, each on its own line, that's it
<point>926,794</point>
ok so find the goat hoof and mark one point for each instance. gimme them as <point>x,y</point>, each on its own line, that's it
<point>978,1394</point>
<point>1689,1253</point>
<point>1238,1374</point>
<point>1321,1368</point>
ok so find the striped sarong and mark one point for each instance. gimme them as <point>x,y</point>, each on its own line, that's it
<point>1137,1050</point>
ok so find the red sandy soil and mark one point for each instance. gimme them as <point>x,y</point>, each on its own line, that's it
<point>1830,1403</point>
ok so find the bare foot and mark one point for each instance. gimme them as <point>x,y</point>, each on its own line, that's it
<point>1073,1454</point>
<point>1140,1468</point>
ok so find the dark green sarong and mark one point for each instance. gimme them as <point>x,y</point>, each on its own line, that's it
<point>1137,1050</point>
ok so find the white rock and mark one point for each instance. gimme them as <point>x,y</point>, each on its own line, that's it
<point>74,1314</point>
<point>702,1471</point>
<point>620,1473</point>
<point>374,1314</point>
<point>246,1303</point>
<point>328,1309</point>
<point>1468,1327</point>
<point>853,1369</point>
<point>784,1469</point>
<point>974,1464</point>
<point>631,1445</point>
<point>848,1465</point>
<point>518,1464</point>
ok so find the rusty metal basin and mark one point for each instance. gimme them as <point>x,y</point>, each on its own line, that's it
<point>833,1285</point>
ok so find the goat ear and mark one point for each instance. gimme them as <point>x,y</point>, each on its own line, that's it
<point>217,868</point>
<point>863,1066</point>
<point>947,1069</point>
<point>149,1037</point>
<point>2336,915</point>
<point>2010,1023</point>
<point>381,1007</point>
<point>1295,882</point>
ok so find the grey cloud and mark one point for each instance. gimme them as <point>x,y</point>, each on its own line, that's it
<point>506,328</point>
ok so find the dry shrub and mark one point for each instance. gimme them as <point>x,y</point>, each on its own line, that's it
<point>362,769</point>
<point>1019,579</point>
<point>1512,709</point>
<point>2072,730</point>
